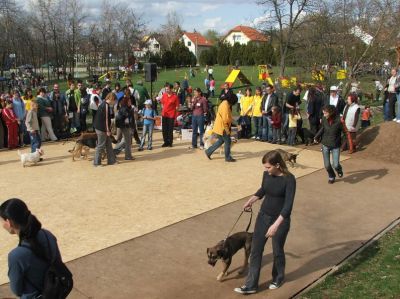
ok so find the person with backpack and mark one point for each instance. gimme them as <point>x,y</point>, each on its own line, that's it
<point>84,110</point>
<point>36,257</point>
<point>124,120</point>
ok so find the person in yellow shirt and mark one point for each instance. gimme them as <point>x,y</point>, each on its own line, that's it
<point>294,116</point>
<point>246,111</point>
<point>257,113</point>
<point>222,128</point>
<point>28,98</point>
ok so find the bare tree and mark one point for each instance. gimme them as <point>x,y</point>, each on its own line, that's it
<point>171,31</point>
<point>288,16</point>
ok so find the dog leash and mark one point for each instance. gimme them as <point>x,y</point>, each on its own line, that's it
<point>237,220</point>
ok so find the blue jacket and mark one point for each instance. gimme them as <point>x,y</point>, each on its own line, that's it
<point>19,108</point>
<point>26,271</point>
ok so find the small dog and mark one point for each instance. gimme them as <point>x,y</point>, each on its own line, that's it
<point>226,249</point>
<point>31,158</point>
<point>288,157</point>
<point>84,143</point>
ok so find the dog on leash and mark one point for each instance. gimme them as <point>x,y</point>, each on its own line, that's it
<point>84,143</point>
<point>30,158</point>
<point>288,157</point>
<point>226,249</point>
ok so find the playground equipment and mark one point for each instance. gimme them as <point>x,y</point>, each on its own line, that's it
<point>263,74</point>
<point>237,74</point>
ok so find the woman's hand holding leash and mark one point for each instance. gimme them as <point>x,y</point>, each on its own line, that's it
<point>249,203</point>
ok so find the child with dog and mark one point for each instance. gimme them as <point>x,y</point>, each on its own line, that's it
<point>278,189</point>
<point>148,125</point>
<point>32,125</point>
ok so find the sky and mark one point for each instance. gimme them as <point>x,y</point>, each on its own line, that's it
<point>219,15</point>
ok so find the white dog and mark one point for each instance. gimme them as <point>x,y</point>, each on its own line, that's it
<point>32,158</point>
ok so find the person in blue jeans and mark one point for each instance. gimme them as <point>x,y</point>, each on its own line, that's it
<point>199,106</point>
<point>148,125</point>
<point>331,132</point>
<point>32,125</point>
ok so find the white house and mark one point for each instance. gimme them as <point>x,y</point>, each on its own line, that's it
<point>243,35</point>
<point>195,42</point>
<point>150,45</point>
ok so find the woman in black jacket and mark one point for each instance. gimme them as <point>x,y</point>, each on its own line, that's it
<point>331,132</point>
<point>125,122</point>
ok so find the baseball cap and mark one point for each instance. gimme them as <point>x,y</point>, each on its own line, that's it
<point>334,88</point>
<point>148,102</point>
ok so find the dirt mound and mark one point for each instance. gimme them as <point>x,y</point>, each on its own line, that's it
<point>380,143</point>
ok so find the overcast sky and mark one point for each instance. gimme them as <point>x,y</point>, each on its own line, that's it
<point>201,15</point>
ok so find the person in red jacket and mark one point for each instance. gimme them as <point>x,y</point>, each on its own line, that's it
<point>170,104</point>
<point>11,122</point>
<point>276,122</point>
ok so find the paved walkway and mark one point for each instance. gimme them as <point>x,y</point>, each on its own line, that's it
<point>328,223</point>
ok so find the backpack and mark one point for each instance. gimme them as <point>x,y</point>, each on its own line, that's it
<point>58,282</point>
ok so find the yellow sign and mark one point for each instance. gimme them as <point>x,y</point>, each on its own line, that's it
<point>318,75</point>
<point>341,74</point>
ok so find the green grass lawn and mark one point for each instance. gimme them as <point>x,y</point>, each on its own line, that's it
<point>374,273</point>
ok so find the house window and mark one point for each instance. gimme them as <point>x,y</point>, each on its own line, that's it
<point>189,43</point>
<point>236,38</point>
<point>156,46</point>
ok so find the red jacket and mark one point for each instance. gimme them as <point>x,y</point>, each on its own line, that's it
<point>170,103</point>
<point>276,120</point>
<point>9,116</point>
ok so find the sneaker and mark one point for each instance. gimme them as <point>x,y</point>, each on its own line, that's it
<point>258,138</point>
<point>140,149</point>
<point>201,147</point>
<point>331,180</point>
<point>209,157</point>
<point>274,285</point>
<point>398,121</point>
<point>254,137</point>
<point>164,145</point>
<point>340,173</point>
<point>245,290</point>
<point>231,160</point>
<point>150,148</point>
<point>394,119</point>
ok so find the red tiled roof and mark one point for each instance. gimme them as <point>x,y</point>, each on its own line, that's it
<point>251,33</point>
<point>196,37</point>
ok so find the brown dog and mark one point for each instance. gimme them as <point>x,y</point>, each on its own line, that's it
<point>225,250</point>
<point>84,143</point>
<point>288,157</point>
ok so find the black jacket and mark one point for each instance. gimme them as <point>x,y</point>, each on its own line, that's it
<point>100,119</point>
<point>314,108</point>
<point>331,133</point>
<point>273,101</point>
<point>339,106</point>
<point>125,113</point>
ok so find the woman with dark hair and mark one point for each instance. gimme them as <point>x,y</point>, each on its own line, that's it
<point>351,117</point>
<point>222,128</point>
<point>331,132</point>
<point>278,189</point>
<point>199,106</point>
<point>28,262</point>
<point>314,109</point>
<point>125,122</point>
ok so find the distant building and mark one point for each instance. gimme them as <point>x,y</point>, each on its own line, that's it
<point>195,42</point>
<point>243,35</point>
<point>149,45</point>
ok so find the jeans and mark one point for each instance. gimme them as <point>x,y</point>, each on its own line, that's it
<point>261,227</point>
<point>386,112</point>
<point>292,136</point>
<point>104,144</point>
<point>147,129</point>
<point>326,153</point>
<point>168,130</point>
<point>266,128</point>
<point>74,121</point>
<point>197,125</point>
<point>285,124</point>
<point>276,134</point>
<point>47,128</point>
<point>36,142</point>
<point>225,138</point>
<point>125,143</point>
<point>398,106</point>
<point>392,106</point>
<point>257,126</point>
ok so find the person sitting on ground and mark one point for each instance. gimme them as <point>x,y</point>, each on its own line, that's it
<point>27,262</point>
<point>222,127</point>
<point>148,125</point>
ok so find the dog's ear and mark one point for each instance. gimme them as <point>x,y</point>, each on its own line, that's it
<point>208,250</point>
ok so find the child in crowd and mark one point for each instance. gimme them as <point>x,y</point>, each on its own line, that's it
<point>276,122</point>
<point>32,126</point>
<point>148,125</point>
<point>11,122</point>
<point>212,86</point>
<point>294,116</point>
<point>366,117</point>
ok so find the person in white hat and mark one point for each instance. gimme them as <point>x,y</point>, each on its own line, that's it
<point>148,124</point>
<point>335,100</point>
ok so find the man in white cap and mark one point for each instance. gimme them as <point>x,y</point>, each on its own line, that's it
<point>335,100</point>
